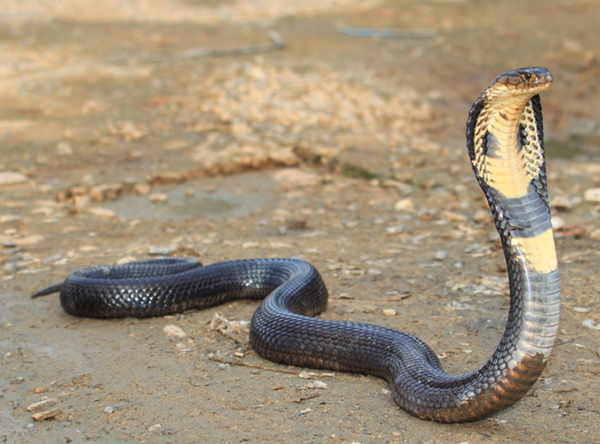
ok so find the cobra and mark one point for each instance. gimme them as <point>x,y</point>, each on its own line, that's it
<point>505,142</point>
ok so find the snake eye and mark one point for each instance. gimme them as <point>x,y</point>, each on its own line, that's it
<point>527,75</point>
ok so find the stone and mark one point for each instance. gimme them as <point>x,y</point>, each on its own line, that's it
<point>12,178</point>
<point>404,204</point>
<point>174,331</point>
<point>592,195</point>
<point>101,212</point>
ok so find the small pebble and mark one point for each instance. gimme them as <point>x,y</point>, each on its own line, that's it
<point>440,255</point>
<point>12,178</point>
<point>404,204</point>
<point>299,224</point>
<point>11,242</point>
<point>558,223</point>
<point>294,177</point>
<point>174,331</point>
<point>8,218</point>
<point>590,323</point>
<point>126,260</point>
<point>314,385</point>
<point>162,251</point>
<point>389,312</point>
<point>45,188</point>
<point>156,428</point>
<point>105,192</point>
<point>284,157</point>
<point>307,375</point>
<point>104,213</point>
<point>43,404</point>
<point>453,217</point>
<point>481,216</point>
<point>64,149</point>
<point>168,177</point>
<point>395,229</point>
<point>142,188</point>
<point>42,416</point>
<point>158,198</point>
<point>592,195</point>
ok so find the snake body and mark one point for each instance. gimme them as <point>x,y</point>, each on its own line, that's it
<point>505,142</point>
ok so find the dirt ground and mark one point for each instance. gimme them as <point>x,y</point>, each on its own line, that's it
<point>124,135</point>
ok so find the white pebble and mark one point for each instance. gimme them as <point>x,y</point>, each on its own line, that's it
<point>156,428</point>
<point>440,255</point>
<point>558,223</point>
<point>592,195</point>
<point>589,323</point>
<point>404,204</point>
<point>41,405</point>
<point>174,331</point>
<point>12,177</point>
<point>162,251</point>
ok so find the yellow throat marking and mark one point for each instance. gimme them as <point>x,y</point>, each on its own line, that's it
<point>508,167</point>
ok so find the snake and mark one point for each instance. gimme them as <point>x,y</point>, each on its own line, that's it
<point>505,144</point>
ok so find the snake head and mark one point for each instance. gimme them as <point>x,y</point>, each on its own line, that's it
<point>525,81</point>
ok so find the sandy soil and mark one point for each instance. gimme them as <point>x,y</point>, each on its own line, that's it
<point>344,151</point>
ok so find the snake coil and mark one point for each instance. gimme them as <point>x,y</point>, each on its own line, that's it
<point>505,142</point>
